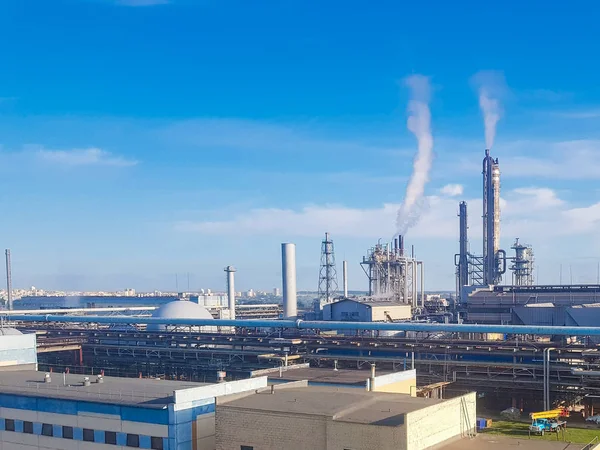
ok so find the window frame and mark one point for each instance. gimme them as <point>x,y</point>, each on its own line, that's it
<point>107,438</point>
<point>45,427</point>
<point>27,427</point>
<point>136,438</point>
<point>10,427</point>
<point>67,432</point>
<point>87,438</point>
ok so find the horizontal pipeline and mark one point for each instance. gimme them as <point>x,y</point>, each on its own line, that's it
<point>320,325</point>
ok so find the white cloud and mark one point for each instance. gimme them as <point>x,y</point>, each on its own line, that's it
<point>531,213</point>
<point>84,157</point>
<point>452,190</point>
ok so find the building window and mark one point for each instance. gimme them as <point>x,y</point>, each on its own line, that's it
<point>246,447</point>
<point>156,443</point>
<point>110,437</point>
<point>9,424</point>
<point>47,430</point>
<point>28,427</point>
<point>67,432</point>
<point>88,435</point>
<point>133,440</point>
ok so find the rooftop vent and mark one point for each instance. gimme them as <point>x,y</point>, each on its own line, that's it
<point>86,381</point>
<point>47,378</point>
<point>99,379</point>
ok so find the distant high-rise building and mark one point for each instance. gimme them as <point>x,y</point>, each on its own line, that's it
<point>276,292</point>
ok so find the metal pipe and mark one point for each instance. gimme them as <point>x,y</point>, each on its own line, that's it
<point>319,325</point>
<point>422,284</point>
<point>345,276</point>
<point>288,266</point>
<point>414,282</point>
<point>9,293</point>
<point>230,291</point>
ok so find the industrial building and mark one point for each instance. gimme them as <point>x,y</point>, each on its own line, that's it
<point>296,416</point>
<point>62,411</point>
<point>367,310</point>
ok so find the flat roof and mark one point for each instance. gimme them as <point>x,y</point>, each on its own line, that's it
<point>324,375</point>
<point>340,404</point>
<point>145,392</point>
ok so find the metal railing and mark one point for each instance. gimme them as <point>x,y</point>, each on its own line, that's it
<point>592,444</point>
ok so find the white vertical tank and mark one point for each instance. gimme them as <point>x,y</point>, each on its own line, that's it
<point>288,269</point>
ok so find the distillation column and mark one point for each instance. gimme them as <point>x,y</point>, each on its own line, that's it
<point>491,219</point>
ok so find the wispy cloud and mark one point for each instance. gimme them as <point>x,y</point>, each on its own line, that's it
<point>592,113</point>
<point>539,159</point>
<point>142,2</point>
<point>452,190</point>
<point>533,213</point>
<point>84,157</point>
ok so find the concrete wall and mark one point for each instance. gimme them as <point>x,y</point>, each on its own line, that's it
<point>344,435</point>
<point>269,431</point>
<point>397,382</point>
<point>430,426</point>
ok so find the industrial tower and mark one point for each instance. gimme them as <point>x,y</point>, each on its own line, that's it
<point>328,284</point>
<point>9,297</point>
<point>463,258</point>
<point>494,259</point>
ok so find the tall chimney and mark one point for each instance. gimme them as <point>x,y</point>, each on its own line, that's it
<point>345,276</point>
<point>401,244</point>
<point>288,269</point>
<point>230,291</point>
<point>9,297</point>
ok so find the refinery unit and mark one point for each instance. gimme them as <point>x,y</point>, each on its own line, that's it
<point>517,344</point>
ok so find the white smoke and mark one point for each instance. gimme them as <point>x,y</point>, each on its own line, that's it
<point>490,86</point>
<point>491,115</point>
<point>419,123</point>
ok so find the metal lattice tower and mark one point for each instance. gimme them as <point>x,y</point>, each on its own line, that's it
<point>328,284</point>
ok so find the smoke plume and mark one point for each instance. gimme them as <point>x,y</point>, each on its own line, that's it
<point>419,123</point>
<point>490,86</point>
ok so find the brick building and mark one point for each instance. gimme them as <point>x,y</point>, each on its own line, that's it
<point>296,416</point>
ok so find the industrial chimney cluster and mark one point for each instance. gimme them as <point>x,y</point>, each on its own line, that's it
<point>487,270</point>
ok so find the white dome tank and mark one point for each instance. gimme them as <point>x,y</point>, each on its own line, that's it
<point>180,309</point>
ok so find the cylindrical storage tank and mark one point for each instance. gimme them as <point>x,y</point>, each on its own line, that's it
<point>288,269</point>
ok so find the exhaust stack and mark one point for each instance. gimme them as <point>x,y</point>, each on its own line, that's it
<point>288,269</point>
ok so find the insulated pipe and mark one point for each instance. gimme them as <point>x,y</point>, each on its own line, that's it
<point>345,276</point>
<point>288,270</point>
<point>317,325</point>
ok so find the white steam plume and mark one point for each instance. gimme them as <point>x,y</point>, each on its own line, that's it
<point>491,115</point>
<point>419,123</point>
<point>490,86</point>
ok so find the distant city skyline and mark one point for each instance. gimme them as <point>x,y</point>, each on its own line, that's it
<point>139,140</point>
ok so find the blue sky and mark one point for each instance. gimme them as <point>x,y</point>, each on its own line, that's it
<point>144,138</point>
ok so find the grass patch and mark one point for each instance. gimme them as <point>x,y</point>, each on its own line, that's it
<point>521,430</point>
